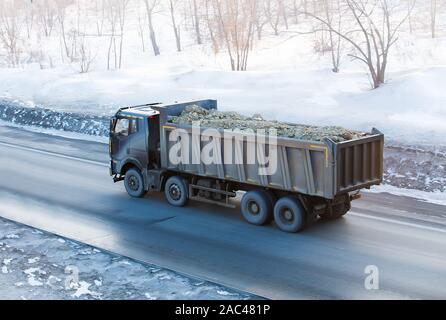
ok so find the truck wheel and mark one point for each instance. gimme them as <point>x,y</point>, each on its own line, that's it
<point>289,214</point>
<point>176,191</point>
<point>134,183</point>
<point>256,207</point>
<point>338,210</point>
<point>272,198</point>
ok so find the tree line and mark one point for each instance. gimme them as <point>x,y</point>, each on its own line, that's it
<point>364,30</point>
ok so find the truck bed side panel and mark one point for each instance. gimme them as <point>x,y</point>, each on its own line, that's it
<point>303,167</point>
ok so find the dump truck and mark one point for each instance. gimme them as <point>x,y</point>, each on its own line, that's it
<point>310,180</point>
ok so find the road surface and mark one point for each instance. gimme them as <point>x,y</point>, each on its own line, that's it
<point>62,186</point>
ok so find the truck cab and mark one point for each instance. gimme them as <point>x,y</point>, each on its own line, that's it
<point>134,144</point>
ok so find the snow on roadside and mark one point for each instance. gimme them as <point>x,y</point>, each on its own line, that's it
<point>21,114</point>
<point>436,197</point>
<point>57,133</point>
<point>408,109</point>
<point>36,265</point>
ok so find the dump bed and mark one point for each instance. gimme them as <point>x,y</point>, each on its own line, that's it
<point>324,169</point>
<point>358,163</point>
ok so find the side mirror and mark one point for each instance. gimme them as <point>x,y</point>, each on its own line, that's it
<point>112,124</point>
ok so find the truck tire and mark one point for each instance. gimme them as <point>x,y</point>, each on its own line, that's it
<point>176,191</point>
<point>256,207</point>
<point>272,198</point>
<point>338,210</point>
<point>134,183</point>
<point>289,214</point>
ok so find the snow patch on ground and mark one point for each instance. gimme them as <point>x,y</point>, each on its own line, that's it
<point>65,269</point>
<point>83,289</point>
<point>33,260</point>
<point>34,279</point>
<point>431,197</point>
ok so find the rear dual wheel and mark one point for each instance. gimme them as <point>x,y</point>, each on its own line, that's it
<point>289,214</point>
<point>257,207</point>
<point>260,207</point>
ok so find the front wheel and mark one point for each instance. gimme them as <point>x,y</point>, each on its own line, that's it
<point>134,183</point>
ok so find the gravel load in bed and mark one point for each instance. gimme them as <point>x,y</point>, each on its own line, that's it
<point>233,120</point>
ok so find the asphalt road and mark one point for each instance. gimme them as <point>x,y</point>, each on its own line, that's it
<point>62,186</point>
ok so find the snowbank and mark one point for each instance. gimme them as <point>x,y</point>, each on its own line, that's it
<point>18,113</point>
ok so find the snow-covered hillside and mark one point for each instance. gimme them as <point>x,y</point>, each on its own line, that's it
<point>286,80</point>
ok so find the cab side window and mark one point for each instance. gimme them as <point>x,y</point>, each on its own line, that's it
<point>133,126</point>
<point>122,126</point>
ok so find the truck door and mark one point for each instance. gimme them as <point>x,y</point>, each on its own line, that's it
<point>119,142</point>
<point>154,142</point>
<point>138,141</point>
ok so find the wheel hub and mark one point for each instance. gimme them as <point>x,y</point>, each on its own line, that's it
<point>175,192</point>
<point>253,207</point>
<point>287,215</point>
<point>133,183</point>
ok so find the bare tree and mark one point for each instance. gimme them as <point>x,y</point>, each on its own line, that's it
<point>236,21</point>
<point>117,13</point>
<point>176,28</point>
<point>283,12</point>
<point>100,10</point>
<point>433,16</point>
<point>272,13</point>
<point>10,29</point>
<point>333,16</point>
<point>212,25</point>
<point>141,29</point>
<point>85,56</point>
<point>371,37</point>
<point>261,20</point>
<point>61,7</point>
<point>46,10</point>
<point>122,13</point>
<point>196,21</point>
<point>410,5</point>
<point>296,5</point>
<point>29,17</point>
<point>151,5</point>
<point>112,16</point>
